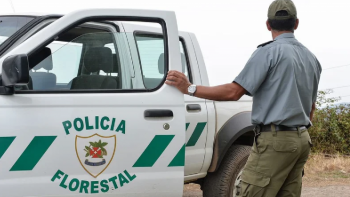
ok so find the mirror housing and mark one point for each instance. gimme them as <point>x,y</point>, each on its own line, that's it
<point>15,71</point>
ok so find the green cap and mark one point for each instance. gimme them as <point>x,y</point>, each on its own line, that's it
<point>279,5</point>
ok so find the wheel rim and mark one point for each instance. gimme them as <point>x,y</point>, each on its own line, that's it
<point>237,181</point>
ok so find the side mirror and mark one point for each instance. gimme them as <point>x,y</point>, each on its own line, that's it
<point>15,71</point>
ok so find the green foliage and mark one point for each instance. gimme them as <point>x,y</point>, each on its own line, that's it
<point>330,132</point>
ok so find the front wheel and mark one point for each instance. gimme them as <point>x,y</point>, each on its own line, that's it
<point>223,182</point>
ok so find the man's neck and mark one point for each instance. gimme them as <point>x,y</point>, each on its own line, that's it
<point>277,33</point>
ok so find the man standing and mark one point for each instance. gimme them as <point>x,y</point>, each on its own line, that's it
<point>282,76</point>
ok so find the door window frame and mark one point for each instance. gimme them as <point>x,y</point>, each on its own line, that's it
<point>103,19</point>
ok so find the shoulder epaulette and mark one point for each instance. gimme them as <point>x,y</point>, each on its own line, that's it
<point>266,43</point>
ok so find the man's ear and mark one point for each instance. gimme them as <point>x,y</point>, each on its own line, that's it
<point>296,24</point>
<point>268,25</point>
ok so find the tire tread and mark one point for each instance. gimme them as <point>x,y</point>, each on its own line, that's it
<point>217,184</point>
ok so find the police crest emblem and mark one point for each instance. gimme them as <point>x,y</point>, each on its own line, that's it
<point>95,152</point>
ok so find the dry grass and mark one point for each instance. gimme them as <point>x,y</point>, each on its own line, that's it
<point>322,170</point>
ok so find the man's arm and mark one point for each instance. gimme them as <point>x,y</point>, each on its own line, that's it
<point>247,82</point>
<point>226,92</point>
<point>312,111</point>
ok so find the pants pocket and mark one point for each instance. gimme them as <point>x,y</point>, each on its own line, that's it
<point>252,184</point>
<point>259,145</point>
<point>284,146</point>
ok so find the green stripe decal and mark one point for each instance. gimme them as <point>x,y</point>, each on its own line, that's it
<point>187,124</point>
<point>196,134</point>
<point>154,150</point>
<point>179,159</point>
<point>5,143</point>
<point>33,153</point>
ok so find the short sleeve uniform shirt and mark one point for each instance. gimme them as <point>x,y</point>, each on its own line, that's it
<point>283,77</point>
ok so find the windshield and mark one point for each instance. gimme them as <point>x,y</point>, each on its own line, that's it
<point>11,24</point>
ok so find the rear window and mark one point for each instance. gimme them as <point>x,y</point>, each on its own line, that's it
<point>10,25</point>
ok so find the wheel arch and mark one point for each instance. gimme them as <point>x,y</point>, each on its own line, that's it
<point>237,130</point>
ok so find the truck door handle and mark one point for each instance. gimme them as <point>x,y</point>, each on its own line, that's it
<point>158,113</point>
<point>193,107</point>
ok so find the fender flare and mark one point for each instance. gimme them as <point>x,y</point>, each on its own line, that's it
<point>235,127</point>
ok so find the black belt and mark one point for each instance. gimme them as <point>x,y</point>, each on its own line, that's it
<point>267,128</point>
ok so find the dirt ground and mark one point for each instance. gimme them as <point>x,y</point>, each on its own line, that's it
<point>336,190</point>
<point>324,177</point>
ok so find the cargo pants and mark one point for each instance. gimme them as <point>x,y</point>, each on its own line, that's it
<point>275,165</point>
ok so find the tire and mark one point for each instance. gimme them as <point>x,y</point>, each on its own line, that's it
<point>222,182</point>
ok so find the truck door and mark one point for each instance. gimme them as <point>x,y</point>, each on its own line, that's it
<point>196,111</point>
<point>82,125</point>
<point>144,42</point>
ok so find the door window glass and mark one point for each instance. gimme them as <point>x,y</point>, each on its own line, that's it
<point>65,60</point>
<point>184,59</point>
<point>115,57</point>
<point>151,53</point>
<point>82,63</point>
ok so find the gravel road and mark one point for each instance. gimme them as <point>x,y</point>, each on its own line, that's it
<point>338,191</point>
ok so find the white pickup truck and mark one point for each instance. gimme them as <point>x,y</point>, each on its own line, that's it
<point>84,109</point>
